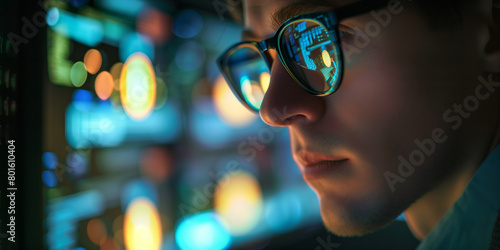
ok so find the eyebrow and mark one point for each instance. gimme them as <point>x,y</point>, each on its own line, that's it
<point>292,10</point>
<point>287,12</point>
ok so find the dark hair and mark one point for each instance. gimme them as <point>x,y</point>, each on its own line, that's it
<point>440,13</point>
<point>444,13</point>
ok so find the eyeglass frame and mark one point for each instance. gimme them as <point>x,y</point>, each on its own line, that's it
<point>330,19</point>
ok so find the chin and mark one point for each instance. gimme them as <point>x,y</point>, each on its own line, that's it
<point>345,219</point>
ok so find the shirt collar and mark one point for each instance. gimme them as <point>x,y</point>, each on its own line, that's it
<point>470,221</point>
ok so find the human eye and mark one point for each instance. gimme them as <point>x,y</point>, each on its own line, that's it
<point>346,33</point>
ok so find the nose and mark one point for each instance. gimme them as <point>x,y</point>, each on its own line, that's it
<point>286,103</point>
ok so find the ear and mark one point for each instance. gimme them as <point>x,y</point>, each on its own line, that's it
<point>492,49</point>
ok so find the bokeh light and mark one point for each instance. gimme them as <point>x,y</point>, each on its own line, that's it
<point>228,107</point>
<point>80,95</point>
<point>108,243</point>
<point>156,164</point>
<point>49,160</point>
<point>77,163</point>
<point>104,85</point>
<point>78,74</point>
<point>138,86</point>
<point>82,99</point>
<point>116,71</point>
<point>187,24</point>
<point>49,178</point>
<point>94,125</point>
<point>92,61</point>
<point>129,8</point>
<point>96,230</point>
<point>202,231</point>
<point>142,226</point>
<point>155,24</point>
<point>52,16</point>
<point>83,29</point>
<point>238,200</point>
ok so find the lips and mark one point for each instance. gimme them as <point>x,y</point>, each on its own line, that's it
<point>316,166</point>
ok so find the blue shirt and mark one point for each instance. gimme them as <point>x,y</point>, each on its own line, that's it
<point>470,222</point>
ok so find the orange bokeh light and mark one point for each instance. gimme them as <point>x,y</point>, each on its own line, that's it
<point>92,61</point>
<point>104,85</point>
<point>156,164</point>
<point>96,230</point>
<point>109,243</point>
<point>142,226</point>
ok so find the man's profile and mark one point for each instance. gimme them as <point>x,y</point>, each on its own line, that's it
<point>391,107</point>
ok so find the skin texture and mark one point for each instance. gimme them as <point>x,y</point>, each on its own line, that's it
<point>394,91</point>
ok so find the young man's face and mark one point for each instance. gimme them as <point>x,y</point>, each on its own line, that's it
<point>398,87</point>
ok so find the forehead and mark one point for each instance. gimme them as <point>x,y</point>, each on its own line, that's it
<point>259,14</point>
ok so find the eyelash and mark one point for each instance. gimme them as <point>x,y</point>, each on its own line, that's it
<point>345,32</point>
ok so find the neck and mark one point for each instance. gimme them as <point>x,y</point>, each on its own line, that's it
<point>426,212</point>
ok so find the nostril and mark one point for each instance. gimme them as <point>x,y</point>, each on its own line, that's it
<point>290,120</point>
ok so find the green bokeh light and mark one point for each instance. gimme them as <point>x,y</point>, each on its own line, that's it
<point>78,74</point>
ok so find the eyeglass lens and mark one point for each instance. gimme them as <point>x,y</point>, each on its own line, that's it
<point>250,75</point>
<point>311,55</point>
<point>307,50</point>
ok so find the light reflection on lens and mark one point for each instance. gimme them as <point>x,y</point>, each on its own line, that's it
<point>310,53</point>
<point>252,92</point>
<point>228,107</point>
<point>327,60</point>
<point>265,80</point>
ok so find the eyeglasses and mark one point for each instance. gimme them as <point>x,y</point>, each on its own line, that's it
<point>307,45</point>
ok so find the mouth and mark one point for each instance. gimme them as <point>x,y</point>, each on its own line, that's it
<point>315,166</point>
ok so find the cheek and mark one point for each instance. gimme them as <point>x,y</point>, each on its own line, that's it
<point>377,109</point>
<point>383,106</point>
